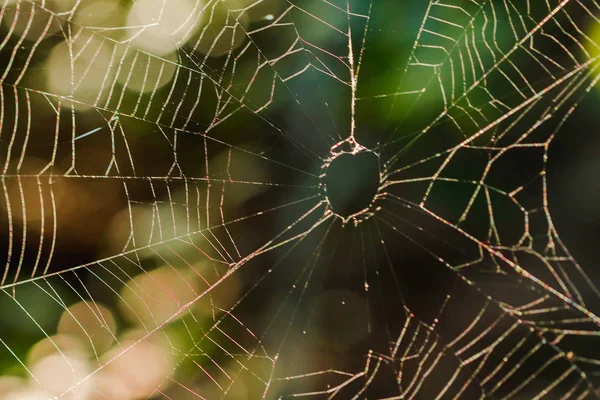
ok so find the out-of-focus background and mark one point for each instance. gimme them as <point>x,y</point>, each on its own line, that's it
<point>162,219</point>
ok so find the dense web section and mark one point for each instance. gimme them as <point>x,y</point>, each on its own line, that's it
<point>167,230</point>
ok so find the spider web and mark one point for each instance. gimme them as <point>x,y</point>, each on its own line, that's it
<point>198,143</point>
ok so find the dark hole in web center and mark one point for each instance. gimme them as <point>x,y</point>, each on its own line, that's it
<point>352,182</point>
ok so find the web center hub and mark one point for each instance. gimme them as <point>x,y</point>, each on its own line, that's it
<point>351,180</point>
